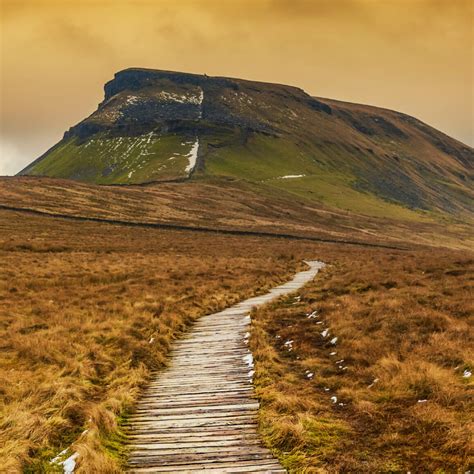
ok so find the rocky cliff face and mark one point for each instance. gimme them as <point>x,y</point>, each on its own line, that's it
<point>160,125</point>
<point>140,100</point>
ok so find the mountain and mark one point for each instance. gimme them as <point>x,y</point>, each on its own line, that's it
<point>160,126</point>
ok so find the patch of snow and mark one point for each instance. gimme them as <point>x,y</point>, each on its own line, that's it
<point>333,353</point>
<point>319,322</point>
<point>113,114</point>
<point>56,459</point>
<point>151,340</point>
<point>292,176</point>
<point>325,333</point>
<point>130,174</point>
<point>333,340</point>
<point>248,359</point>
<point>313,315</point>
<point>70,463</point>
<point>466,374</point>
<point>334,399</point>
<point>132,99</point>
<point>172,97</point>
<point>200,100</point>
<point>192,156</point>
<point>339,361</point>
<point>182,98</point>
<point>422,401</point>
<point>326,389</point>
<point>310,375</point>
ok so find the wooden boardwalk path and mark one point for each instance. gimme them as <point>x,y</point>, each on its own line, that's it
<point>199,414</point>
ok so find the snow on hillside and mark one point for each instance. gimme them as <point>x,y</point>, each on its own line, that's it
<point>188,98</point>
<point>192,156</point>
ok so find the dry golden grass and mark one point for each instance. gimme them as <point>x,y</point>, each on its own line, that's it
<point>404,326</point>
<point>226,204</point>
<point>88,311</point>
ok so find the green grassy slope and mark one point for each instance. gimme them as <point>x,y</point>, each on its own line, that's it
<point>280,165</point>
<point>104,159</point>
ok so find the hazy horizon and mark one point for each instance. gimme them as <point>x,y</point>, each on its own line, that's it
<point>414,57</point>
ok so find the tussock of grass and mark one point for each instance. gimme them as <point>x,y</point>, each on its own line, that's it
<point>403,320</point>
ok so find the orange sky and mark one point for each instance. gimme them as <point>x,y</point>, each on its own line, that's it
<point>415,56</point>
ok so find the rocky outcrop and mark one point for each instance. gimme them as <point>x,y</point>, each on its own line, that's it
<point>140,100</point>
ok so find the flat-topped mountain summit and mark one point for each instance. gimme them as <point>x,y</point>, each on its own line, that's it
<point>158,125</point>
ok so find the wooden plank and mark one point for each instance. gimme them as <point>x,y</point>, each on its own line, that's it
<point>243,466</point>
<point>186,394</point>
<point>197,423</point>
<point>211,415</point>
<point>243,428</point>
<point>180,449</point>
<point>196,459</point>
<point>197,439</point>
<point>190,403</point>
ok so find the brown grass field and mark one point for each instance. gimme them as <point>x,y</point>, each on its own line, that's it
<point>403,322</point>
<point>89,311</point>
<point>229,204</point>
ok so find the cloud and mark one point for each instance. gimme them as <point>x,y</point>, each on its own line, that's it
<point>12,159</point>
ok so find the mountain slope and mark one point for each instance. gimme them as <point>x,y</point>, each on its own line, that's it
<point>158,125</point>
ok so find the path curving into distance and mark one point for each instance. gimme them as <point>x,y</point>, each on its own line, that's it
<point>199,414</point>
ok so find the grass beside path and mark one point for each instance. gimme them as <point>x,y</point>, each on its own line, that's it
<point>393,392</point>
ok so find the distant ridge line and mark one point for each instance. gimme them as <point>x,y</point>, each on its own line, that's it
<point>163,225</point>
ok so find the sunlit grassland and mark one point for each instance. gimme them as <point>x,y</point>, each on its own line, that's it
<point>399,370</point>
<point>268,160</point>
<point>88,311</point>
<point>105,159</point>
